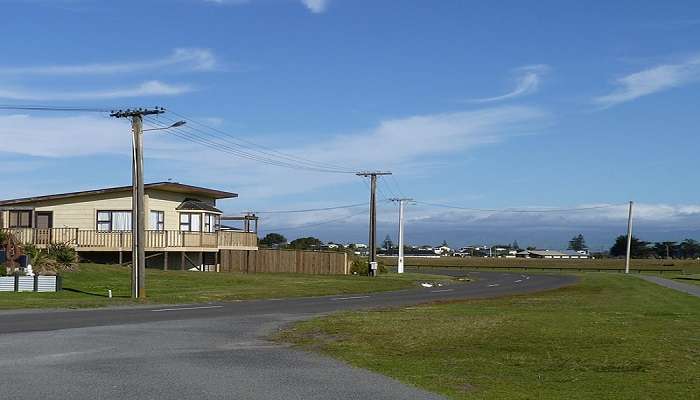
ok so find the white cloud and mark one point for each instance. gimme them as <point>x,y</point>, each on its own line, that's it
<point>63,136</point>
<point>392,144</point>
<point>527,81</point>
<point>191,59</point>
<point>149,88</point>
<point>316,6</point>
<point>652,80</point>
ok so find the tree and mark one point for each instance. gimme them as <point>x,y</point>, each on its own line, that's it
<point>578,243</point>
<point>306,243</point>
<point>666,249</point>
<point>444,244</point>
<point>388,244</point>
<point>515,245</point>
<point>273,239</point>
<point>689,248</point>
<point>638,248</point>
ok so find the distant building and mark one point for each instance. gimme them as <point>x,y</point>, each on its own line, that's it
<point>553,254</point>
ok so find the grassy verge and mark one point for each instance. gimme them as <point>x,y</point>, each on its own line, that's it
<point>686,266</point>
<point>693,279</point>
<point>609,337</point>
<point>88,287</point>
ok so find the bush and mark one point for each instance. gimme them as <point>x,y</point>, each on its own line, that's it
<point>64,255</point>
<point>361,267</point>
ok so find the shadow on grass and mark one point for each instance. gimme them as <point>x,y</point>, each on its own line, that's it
<point>91,294</point>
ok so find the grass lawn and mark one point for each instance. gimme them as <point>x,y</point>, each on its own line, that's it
<point>694,279</point>
<point>88,287</point>
<point>686,266</point>
<point>608,337</point>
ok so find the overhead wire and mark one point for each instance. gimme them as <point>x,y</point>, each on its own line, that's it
<point>196,136</point>
<point>267,151</point>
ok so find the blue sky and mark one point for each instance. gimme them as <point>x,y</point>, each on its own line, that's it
<point>483,105</point>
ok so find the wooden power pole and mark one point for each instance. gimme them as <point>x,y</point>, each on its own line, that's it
<point>138,212</point>
<point>372,270</point>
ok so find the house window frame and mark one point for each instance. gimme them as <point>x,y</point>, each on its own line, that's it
<point>188,223</point>
<point>212,223</point>
<point>18,219</point>
<point>160,224</point>
<point>110,221</point>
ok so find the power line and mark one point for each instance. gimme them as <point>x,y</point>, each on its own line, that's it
<point>51,108</point>
<point>196,135</point>
<point>254,147</point>
<point>192,135</point>
<point>510,210</point>
<point>311,209</point>
<point>316,223</point>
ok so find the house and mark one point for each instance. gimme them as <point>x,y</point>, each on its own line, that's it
<point>183,224</point>
<point>563,254</point>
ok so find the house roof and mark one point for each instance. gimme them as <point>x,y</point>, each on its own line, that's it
<point>165,186</point>
<point>197,205</point>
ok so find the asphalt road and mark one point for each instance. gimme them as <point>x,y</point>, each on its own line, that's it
<point>208,351</point>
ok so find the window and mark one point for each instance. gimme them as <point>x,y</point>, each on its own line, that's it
<point>111,221</point>
<point>211,222</point>
<point>158,220</point>
<point>190,222</point>
<point>21,219</point>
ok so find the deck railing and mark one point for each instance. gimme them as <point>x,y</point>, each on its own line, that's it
<point>83,239</point>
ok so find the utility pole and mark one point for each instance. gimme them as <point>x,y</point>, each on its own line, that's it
<point>138,213</point>
<point>402,202</point>
<point>629,239</point>
<point>372,270</point>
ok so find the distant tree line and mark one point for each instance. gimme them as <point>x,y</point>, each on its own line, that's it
<point>688,248</point>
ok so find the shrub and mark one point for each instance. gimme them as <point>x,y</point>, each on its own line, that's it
<point>64,255</point>
<point>360,266</point>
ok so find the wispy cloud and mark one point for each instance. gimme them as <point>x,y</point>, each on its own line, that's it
<point>527,81</point>
<point>316,6</point>
<point>652,80</point>
<point>146,89</point>
<point>185,59</point>
<point>63,136</point>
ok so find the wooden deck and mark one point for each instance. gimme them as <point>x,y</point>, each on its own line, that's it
<point>92,240</point>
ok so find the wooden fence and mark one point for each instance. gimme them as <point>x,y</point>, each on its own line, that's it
<point>292,261</point>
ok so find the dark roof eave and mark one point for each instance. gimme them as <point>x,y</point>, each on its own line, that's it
<point>166,186</point>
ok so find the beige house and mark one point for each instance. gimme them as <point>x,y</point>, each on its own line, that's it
<point>181,219</point>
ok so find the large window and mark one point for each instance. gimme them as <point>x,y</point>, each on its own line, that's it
<point>111,221</point>
<point>20,219</point>
<point>211,222</point>
<point>157,220</point>
<point>190,222</point>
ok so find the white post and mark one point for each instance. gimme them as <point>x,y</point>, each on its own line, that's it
<point>629,239</point>
<point>400,261</point>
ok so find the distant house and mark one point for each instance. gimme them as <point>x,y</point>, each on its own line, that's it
<point>553,254</point>
<point>180,219</point>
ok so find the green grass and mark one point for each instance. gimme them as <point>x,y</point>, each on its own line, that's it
<point>608,337</point>
<point>693,279</point>
<point>88,287</point>
<point>686,266</point>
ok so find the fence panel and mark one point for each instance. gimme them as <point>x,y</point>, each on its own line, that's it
<point>284,261</point>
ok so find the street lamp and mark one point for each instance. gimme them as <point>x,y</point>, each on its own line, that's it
<point>175,125</point>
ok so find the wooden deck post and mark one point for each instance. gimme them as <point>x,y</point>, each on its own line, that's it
<point>121,257</point>
<point>165,260</point>
<point>200,260</point>
<point>216,262</point>
<point>182,260</point>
